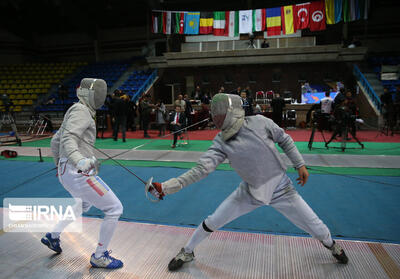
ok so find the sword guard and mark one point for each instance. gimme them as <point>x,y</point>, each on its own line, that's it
<point>147,189</point>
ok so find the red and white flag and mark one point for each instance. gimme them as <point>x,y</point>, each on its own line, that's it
<point>301,16</point>
<point>317,16</point>
<point>167,22</point>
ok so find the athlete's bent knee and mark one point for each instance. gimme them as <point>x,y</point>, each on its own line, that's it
<point>115,211</point>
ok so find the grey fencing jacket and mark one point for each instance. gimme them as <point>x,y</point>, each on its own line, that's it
<point>76,136</point>
<point>252,154</point>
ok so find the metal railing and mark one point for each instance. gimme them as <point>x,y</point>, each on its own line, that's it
<point>145,85</point>
<point>367,87</point>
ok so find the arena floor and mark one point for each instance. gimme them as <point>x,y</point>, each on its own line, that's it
<point>355,193</point>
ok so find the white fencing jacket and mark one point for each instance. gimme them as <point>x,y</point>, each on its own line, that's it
<point>76,136</point>
<point>252,154</point>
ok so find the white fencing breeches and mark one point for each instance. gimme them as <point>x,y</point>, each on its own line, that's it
<point>94,192</point>
<point>287,201</point>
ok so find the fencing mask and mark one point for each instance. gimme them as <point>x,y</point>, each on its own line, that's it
<point>227,114</point>
<point>92,92</point>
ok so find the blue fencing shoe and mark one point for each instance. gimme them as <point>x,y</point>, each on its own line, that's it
<point>105,261</point>
<point>52,243</point>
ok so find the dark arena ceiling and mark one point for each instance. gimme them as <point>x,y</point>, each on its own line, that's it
<point>27,18</point>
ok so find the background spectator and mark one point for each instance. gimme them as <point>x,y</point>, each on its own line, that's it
<point>177,122</point>
<point>161,112</point>
<point>277,106</point>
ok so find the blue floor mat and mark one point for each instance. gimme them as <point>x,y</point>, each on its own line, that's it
<point>351,208</point>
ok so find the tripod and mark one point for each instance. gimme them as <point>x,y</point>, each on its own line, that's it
<point>311,140</point>
<point>8,119</point>
<point>344,130</point>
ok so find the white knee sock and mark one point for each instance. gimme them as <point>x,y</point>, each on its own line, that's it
<point>60,227</point>
<point>106,232</point>
<point>198,236</point>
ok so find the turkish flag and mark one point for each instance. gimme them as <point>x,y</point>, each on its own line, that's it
<point>317,16</point>
<point>301,16</point>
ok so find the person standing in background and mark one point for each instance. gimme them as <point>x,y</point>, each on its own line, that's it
<point>177,122</point>
<point>180,102</point>
<point>146,108</point>
<point>121,113</point>
<point>160,117</point>
<point>277,106</point>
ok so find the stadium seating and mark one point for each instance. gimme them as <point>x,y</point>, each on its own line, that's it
<point>109,71</point>
<point>24,82</point>
<point>135,80</point>
<point>378,62</point>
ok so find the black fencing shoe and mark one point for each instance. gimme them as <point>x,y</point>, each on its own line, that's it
<point>180,259</point>
<point>338,253</point>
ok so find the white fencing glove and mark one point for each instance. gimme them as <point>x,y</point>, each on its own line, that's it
<point>88,166</point>
<point>159,190</point>
<point>171,186</point>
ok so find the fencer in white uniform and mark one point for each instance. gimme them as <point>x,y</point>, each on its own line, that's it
<point>72,148</point>
<point>249,145</point>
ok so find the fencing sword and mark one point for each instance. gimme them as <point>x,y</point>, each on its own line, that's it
<point>148,184</point>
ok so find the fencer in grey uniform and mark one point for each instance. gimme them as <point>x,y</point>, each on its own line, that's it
<point>249,145</point>
<point>72,148</point>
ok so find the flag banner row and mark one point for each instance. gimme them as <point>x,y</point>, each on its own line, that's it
<point>313,15</point>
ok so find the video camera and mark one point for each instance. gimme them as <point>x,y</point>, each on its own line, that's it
<point>344,117</point>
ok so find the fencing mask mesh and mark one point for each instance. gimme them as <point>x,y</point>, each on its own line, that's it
<point>227,114</point>
<point>92,92</point>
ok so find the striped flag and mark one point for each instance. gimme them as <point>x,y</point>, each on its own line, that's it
<point>351,10</point>
<point>177,23</point>
<point>167,22</point>
<point>156,22</point>
<point>258,20</point>
<point>206,23</point>
<point>273,16</point>
<point>287,19</point>
<point>232,23</point>
<point>219,23</point>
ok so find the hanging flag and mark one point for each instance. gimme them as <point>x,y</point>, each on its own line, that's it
<point>354,10</point>
<point>273,16</point>
<point>346,10</point>
<point>317,16</point>
<point>232,23</point>
<point>154,22</point>
<point>364,8</point>
<point>206,23</point>
<point>301,14</point>
<point>177,23</point>
<point>245,21</point>
<point>338,10</point>
<point>258,20</point>
<point>167,22</point>
<point>287,19</point>
<point>330,11</point>
<point>191,21</point>
<point>219,23</point>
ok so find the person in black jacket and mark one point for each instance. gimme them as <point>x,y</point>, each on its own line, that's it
<point>177,122</point>
<point>277,105</point>
<point>146,108</point>
<point>120,107</point>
